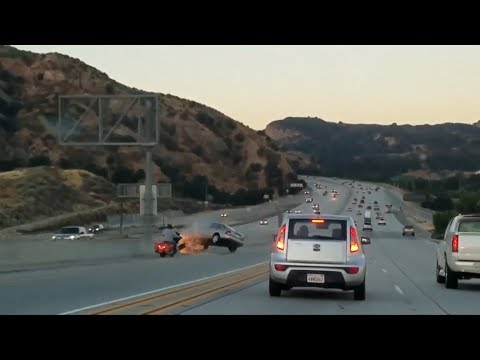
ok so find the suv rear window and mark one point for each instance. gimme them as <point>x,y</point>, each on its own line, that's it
<point>469,226</point>
<point>306,229</point>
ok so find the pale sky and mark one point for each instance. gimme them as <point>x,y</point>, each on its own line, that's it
<point>258,84</point>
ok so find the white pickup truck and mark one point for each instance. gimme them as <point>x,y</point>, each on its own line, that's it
<point>458,254</point>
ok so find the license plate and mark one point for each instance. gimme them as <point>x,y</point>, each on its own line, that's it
<point>316,278</point>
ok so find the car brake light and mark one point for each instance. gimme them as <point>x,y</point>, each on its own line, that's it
<point>455,243</point>
<point>352,270</point>
<point>318,221</point>
<point>354,246</point>
<point>280,267</point>
<point>228,232</point>
<point>281,238</point>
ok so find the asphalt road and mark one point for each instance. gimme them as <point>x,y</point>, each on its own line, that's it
<point>400,276</point>
<point>38,251</point>
<point>91,281</point>
<point>400,281</point>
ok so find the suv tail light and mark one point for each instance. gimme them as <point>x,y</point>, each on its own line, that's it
<point>281,238</point>
<point>455,243</point>
<point>228,232</point>
<point>354,245</point>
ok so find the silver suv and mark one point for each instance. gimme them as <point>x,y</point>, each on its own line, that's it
<point>318,251</point>
<point>458,254</point>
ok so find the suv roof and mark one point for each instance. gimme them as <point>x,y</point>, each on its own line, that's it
<point>322,216</point>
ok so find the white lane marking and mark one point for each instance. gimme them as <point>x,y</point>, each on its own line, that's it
<point>385,271</point>
<point>154,291</point>
<point>397,288</point>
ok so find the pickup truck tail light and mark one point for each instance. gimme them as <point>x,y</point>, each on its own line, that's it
<point>455,243</point>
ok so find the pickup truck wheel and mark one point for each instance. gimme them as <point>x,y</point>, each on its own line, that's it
<point>359,292</point>
<point>440,279</point>
<point>273,288</point>
<point>451,279</point>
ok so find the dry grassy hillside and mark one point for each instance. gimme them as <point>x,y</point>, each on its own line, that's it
<point>194,139</point>
<point>41,192</point>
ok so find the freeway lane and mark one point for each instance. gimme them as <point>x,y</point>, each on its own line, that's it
<point>400,277</point>
<point>64,289</point>
<point>400,280</point>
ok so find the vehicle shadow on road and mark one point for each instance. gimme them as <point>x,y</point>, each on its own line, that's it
<point>468,286</point>
<point>318,293</point>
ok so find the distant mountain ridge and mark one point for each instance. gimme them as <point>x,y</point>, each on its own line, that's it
<point>378,152</point>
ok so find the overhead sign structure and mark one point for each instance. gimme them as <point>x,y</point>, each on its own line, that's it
<point>113,120</point>
<point>108,120</point>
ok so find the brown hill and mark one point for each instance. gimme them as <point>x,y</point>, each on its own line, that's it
<point>195,140</point>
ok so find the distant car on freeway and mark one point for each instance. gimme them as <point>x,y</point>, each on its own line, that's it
<point>318,251</point>
<point>382,222</point>
<point>297,211</point>
<point>408,230</point>
<point>96,228</point>
<point>223,215</point>
<point>72,233</point>
<point>367,226</point>
<point>458,253</point>
<point>263,222</point>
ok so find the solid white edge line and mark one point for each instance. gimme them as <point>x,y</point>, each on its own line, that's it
<point>398,289</point>
<point>158,290</point>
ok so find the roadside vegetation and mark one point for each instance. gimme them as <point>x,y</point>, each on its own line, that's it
<point>447,197</point>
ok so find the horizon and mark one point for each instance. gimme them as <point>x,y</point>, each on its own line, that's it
<point>348,84</point>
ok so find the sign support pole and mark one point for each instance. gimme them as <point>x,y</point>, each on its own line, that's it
<point>148,211</point>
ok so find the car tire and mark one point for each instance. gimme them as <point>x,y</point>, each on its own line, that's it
<point>232,248</point>
<point>440,278</point>
<point>413,234</point>
<point>215,238</point>
<point>451,279</point>
<point>359,292</point>
<point>274,289</point>
<point>161,255</point>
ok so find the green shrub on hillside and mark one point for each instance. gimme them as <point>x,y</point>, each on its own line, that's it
<point>441,220</point>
